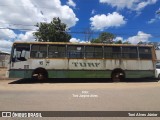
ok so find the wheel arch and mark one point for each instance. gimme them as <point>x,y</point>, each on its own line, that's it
<point>118,70</point>
<point>39,70</point>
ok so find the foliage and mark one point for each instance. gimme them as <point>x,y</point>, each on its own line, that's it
<point>104,37</point>
<point>119,42</point>
<point>52,32</point>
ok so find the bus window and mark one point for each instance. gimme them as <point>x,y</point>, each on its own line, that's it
<point>112,52</point>
<point>56,51</point>
<point>116,52</point>
<point>89,52</point>
<point>129,52</point>
<point>145,53</point>
<point>107,52</point>
<point>75,51</point>
<point>21,52</point>
<point>38,51</point>
<point>93,52</point>
<point>98,52</point>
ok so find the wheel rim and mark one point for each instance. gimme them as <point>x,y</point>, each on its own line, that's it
<point>40,74</point>
<point>117,76</point>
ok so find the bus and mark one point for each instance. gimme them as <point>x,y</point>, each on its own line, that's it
<point>43,60</point>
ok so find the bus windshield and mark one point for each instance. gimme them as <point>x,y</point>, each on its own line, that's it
<point>21,52</point>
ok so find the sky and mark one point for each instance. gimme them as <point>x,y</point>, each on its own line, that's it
<point>128,20</point>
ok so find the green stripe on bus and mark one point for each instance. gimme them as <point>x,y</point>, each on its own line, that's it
<point>81,74</point>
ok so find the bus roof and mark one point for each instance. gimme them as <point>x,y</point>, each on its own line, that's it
<point>69,43</point>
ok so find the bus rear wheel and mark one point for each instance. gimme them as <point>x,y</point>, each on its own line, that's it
<point>40,74</point>
<point>118,75</point>
<point>159,77</point>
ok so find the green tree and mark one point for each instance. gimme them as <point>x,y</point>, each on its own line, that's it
<point>119,42</point>
<point>55,31</point>
<point>126,42</point>
<point>96,40</point>
<point>140,43</point>
<point>104,37</point>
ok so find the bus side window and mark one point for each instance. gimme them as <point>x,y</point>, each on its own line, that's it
<point>75,51</point>
<point>56,51</point>
<point>107,52</point>
<point>116,53</point>
<point>129,52</point>
<point>89,52</point>
<point>112,52</point>
<point>145,53</point>
<point>38,51</point>
<point>98,51</point>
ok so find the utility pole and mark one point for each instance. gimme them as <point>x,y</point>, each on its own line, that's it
<point>88,34</point>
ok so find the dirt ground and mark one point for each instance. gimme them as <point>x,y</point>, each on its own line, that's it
<point>3,73</point>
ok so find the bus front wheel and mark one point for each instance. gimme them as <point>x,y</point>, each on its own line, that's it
<point>117,75</point>
<point>40,74</point>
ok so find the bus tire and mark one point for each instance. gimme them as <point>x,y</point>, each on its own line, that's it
<point>158,77</point>
<point>117,75</point>
<point>40,74</point>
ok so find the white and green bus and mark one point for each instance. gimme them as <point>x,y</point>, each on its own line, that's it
<point>42,60</point>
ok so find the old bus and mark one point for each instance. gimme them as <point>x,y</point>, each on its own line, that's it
<point>42,60</point>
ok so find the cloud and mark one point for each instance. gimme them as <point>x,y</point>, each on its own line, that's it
<point>101,22</point>
<point>23,13</point>
<point>152,20</point>
<point>74,40</point>
<point>141,36</point>
<point>118,38</point>
<point>28,36</point>
<point>5,45</point>
<point>93,12</point>
<point>156,18</point>
<point>71,3</point>
<point>7,34</point>
<point>135,5</point>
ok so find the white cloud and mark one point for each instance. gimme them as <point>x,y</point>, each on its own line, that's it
<point>71,3</point>
<point>74,40</point>
<point>24,14</point>
<point>118,38</point>
<point>5,45</point>
<point>141,36</point>
<point>135,5</point>
<point>29,12</point>
<point>152,20</point>
<point>7,34</point>
<point>93,12</point>
<point>101,22</point>
<point>28,36</point>
<point>156,18</point>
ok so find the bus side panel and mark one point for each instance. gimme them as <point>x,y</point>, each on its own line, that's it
<point>139,73</point>
<point>86,64</point>
<point>79,74</point>
<point>20,73</point>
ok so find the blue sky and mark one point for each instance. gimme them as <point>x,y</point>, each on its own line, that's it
<point>129,20</point>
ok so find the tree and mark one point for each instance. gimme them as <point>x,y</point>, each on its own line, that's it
<point>140,43</point>
<point>104,37</point>
<point>52,32</point>
<point>119,42</point>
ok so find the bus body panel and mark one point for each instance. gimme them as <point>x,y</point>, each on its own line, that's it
<point>68,66</point>
<point>25,73</point>
<point>83,68</point>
